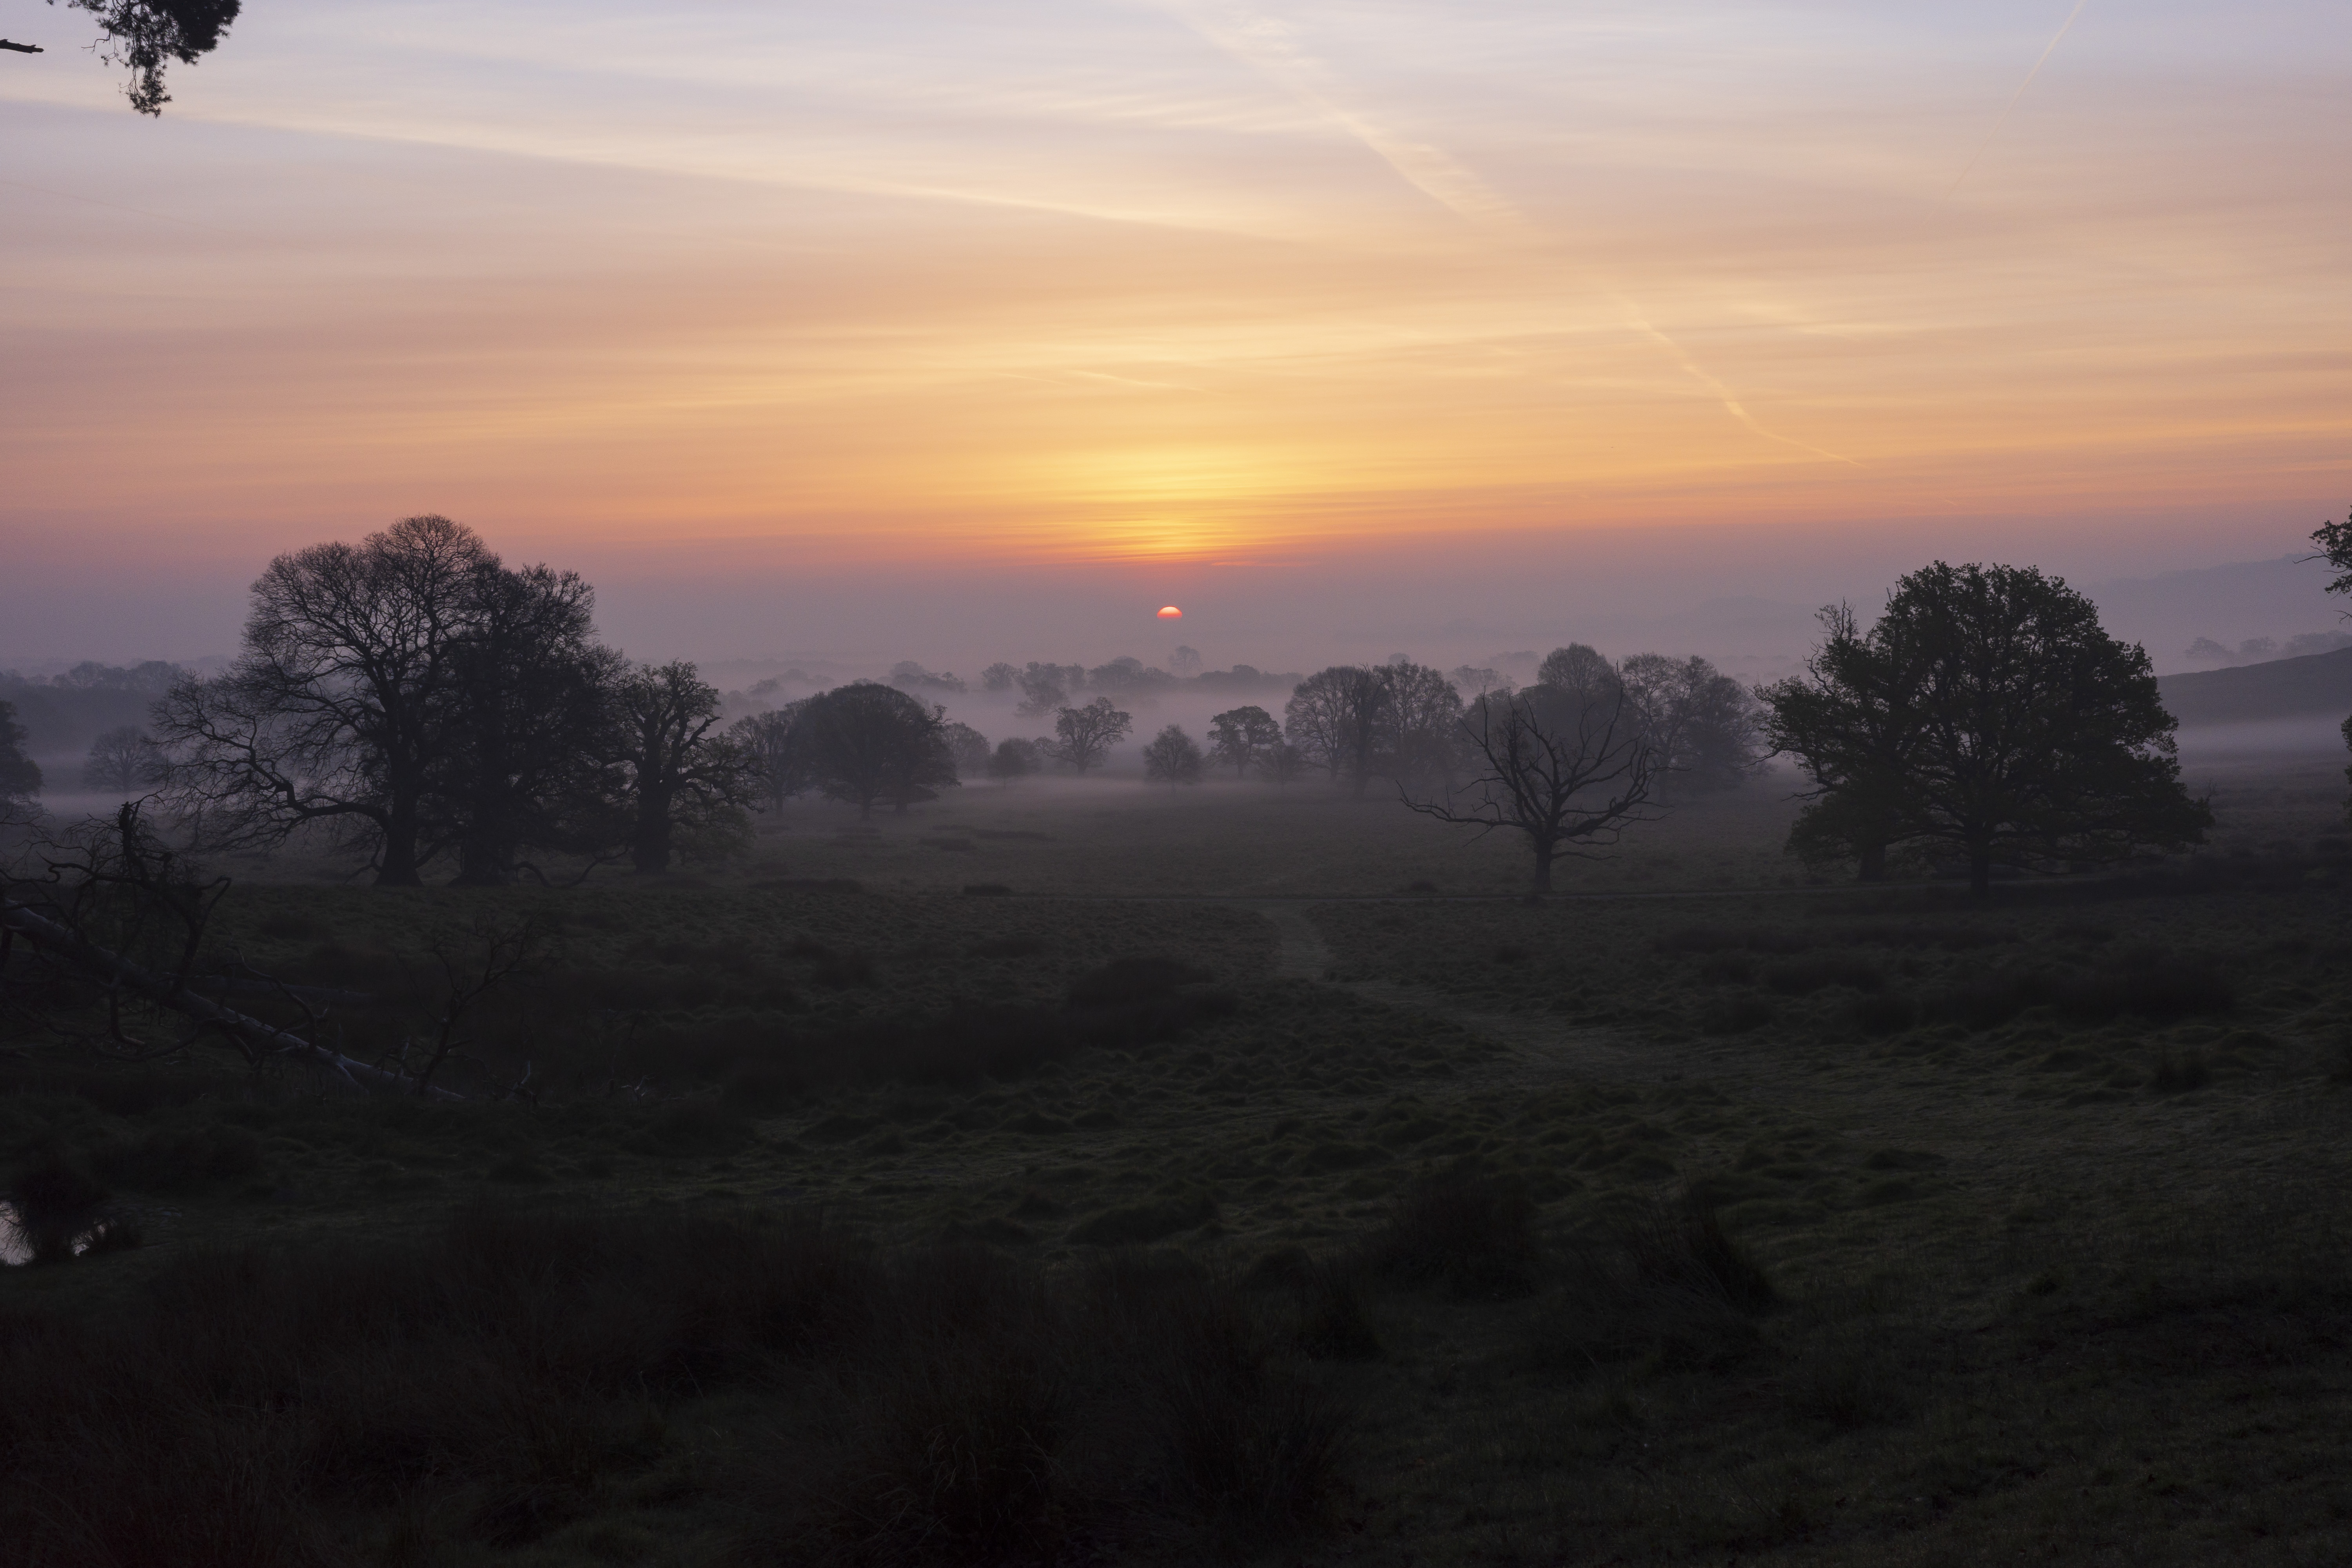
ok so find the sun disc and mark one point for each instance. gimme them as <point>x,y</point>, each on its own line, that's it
<point>1171,613</point>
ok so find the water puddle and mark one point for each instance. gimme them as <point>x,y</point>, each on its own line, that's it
<point>19,1244</point>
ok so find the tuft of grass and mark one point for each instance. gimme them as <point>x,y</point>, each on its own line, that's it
<point>1471,1230</point>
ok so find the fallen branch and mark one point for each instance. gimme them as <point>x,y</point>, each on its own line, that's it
<point>259,1039</point>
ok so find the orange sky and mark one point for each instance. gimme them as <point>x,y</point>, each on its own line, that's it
<point>1144,287</point>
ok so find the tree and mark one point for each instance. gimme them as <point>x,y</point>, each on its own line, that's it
<point>1568,769</point>
<point>866,743</point>
<point>1014,758</point>
<point>1171,757</point>
<point>1710,720</point>
<point>20,776</point>
<point>968,749</point>
<point>2333,540</point>
<point>1240,736</point>
<point>674,773</point>
<point>769,741</point>
<point>122,760</point>
<point>1989,712</point>
<point>1084,736</point>
<point>147,36</point>
<point>999,677</point>
<point>529,704</point>
<point>1045,688</point>
<point>1417,726</point>
<point>339,709</point>
<point>1281,763</point>
<point>1333,716</point>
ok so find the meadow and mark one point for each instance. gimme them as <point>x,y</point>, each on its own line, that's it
<point>1084,1173</point>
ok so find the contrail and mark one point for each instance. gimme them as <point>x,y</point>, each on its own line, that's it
<point>1262,44</point>
<point>1723,395</point>
<point>2003,118</point>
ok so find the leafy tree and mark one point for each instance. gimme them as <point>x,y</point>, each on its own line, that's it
<point>1417,726</point>
<point>1568,768</point>
<point>676,778</point>
<point>339,711</point>
<point>529,705</point>
<point>866,743</point>
<point>999,677</point>
<point>776,755</point>
<point>1240,736</point>
<point>1084,736</point>
<point>1172,757</point>
<point>147,36</point>
<point>1014,758</point>
<point>968,749</point>
<point>1281,763</point>
<point>1986,710</point>
<point>2334,541</point>
<point>20,776</point>
<point>1334,716</point>
<point>1710,721</point>
<point>1045,687</point>
<point>122,760</point>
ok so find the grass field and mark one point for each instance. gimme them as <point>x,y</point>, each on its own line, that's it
<point>1253,1176</point>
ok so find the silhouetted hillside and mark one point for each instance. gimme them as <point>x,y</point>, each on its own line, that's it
<point>2319,683</point>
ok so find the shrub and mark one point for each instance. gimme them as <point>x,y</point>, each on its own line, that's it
<point>2149,982</point>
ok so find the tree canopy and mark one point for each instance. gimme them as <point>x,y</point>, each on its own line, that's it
<point>147,37</point>
<point>1986,712</point>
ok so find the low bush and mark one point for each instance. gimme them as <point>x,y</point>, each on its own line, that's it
<point>2149,982</point>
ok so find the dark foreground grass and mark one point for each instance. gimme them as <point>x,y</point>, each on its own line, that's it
<point>511,1377</point>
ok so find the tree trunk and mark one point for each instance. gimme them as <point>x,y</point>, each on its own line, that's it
<point>1544,853</point>
<point>100,964</point>
<point>399,868</point>
<point>1874,863</point>
<point>651,851</point>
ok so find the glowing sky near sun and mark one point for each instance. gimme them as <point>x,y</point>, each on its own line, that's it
<point>1040,282</point>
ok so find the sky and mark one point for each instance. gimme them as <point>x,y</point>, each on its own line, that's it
<point>984,328</point>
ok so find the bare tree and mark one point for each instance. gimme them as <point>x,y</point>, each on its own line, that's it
<point>1084,736</point>
<point>1240,736</point>
<point>768,740</point>
<point>1570,770</point>
<point>338,711</point>
<point>1281,763</point>
<point>1046,686</point>
<point>20,776</point>
<point>968,748</point>
<point>1334,715</point>
<point>122,760</point>
<point>1716,722</point>
<point>1417,725</point>
<point>676,771</point>
<point>1172,757</point>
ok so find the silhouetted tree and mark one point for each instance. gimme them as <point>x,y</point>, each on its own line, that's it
<point>339,710</point>
<point>1334,717</point>
<point>146,35</point>
<point>1712,719</point>
<point>1184,661</point>
<point>530,702</point>
<point>1988,710</point>
<point>1084,736</point>
<point>999,677</point>
<point>1281,763</point>
<point>866,743</point>
<point>1239,736</point>
<point>1569,768</point>
<point>1417,726</point>
<point>20,776</point>
<point>674,773</point>
<point>769,741</point>
<point>1171,757</point>
<point>1014,758</point>
<point>968,748</point>
<point>122,760</point>
<point>2334,542</point>
<point>1045,687</point>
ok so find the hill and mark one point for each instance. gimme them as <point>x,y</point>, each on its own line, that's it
<point>2319,683</point>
